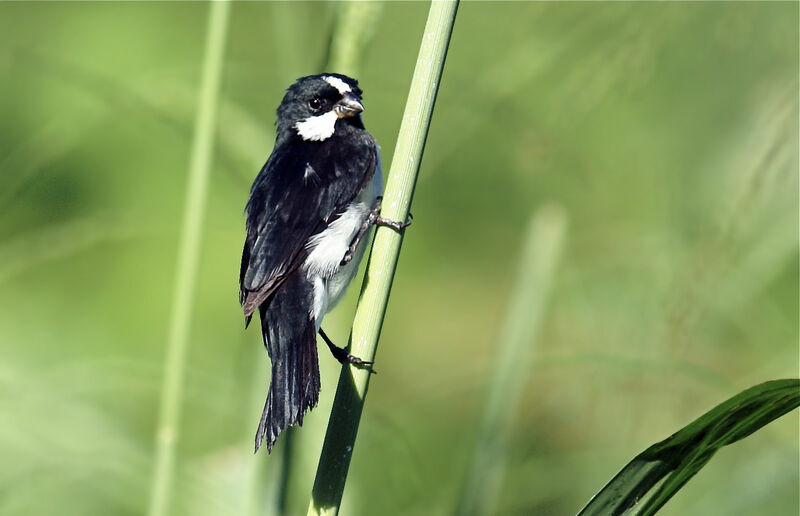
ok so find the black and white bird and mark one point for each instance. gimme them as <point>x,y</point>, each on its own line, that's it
<point>308,211</point>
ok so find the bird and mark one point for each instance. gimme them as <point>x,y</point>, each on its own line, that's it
<point>307,215</point>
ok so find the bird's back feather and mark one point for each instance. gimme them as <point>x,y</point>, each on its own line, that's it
<point>285,209</point>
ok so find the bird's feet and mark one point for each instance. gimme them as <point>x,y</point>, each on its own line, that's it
<point>373,218</point>
<point>342,356</point>
<point>397,226</point>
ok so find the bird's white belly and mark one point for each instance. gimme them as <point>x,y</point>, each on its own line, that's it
<point>327,250</point>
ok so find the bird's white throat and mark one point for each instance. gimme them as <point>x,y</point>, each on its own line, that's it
<point>317,128</point>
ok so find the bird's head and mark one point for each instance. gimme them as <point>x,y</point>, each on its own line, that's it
<point>313,105</point>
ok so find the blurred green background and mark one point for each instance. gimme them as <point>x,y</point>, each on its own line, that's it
<point>667,132</point>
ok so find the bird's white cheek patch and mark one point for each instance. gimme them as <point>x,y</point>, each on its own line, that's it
<point>317,128</point>
<point>337,83</point>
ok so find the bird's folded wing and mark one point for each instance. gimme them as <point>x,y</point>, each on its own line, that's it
<point>291,200</point>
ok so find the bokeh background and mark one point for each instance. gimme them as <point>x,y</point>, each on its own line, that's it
<point>666,132</point>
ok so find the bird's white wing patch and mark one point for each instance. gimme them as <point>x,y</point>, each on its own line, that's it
<point>337,83</point>
<point>317,128</point>
<point>328,247</point>
<point>320,306</point>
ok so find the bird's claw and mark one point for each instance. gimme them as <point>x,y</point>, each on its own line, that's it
<point>348,256</point>
<point>397,226</point>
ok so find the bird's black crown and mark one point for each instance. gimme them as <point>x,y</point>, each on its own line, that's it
<point>314,95</point>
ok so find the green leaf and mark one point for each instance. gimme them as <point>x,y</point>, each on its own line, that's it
<point>678,458</point>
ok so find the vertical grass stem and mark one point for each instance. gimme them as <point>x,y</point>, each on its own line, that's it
<point>187,261</point>
<point>352,388</point>
<point>354,27</point>
<point>543,243</point>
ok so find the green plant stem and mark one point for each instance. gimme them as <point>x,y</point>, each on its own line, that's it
<point>543,242</point>
<point>354,27</point>
<point>188,259</point>
<point>348,402</point>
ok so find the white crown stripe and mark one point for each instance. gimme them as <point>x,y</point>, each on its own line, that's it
<point>337,83</point>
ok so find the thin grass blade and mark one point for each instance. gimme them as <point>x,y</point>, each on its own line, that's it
<point>675,460</point>
<point>543,242</point>
<point>188,258</point>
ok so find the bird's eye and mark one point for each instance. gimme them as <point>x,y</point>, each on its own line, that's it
<point>315,104</point>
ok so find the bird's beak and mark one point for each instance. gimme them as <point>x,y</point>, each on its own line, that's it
<point>350,105</point>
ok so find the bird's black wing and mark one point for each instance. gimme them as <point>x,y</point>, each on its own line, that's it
<point>297,193</point>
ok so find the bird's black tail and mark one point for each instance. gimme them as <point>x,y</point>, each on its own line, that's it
<point>291,340</point>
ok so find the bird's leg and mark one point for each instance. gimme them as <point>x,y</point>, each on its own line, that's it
<point>373,218</point>
<point>369,221</point>
<point>341,354</point>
